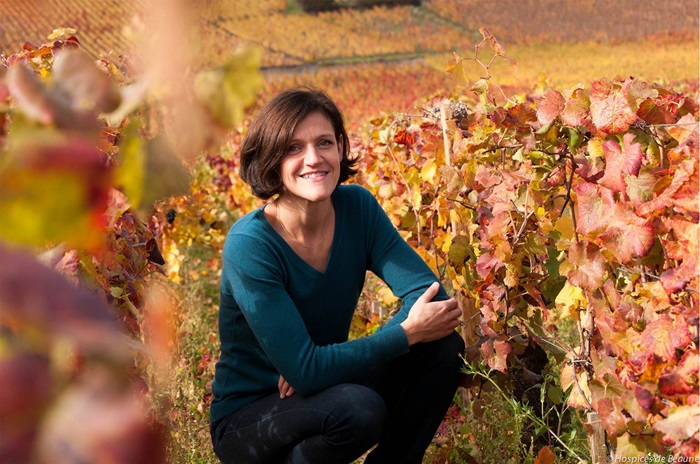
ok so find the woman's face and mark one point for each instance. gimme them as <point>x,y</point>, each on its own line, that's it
<point>311,168</point>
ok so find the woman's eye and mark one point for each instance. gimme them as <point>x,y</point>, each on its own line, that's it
<point>292,148</point>
<point>326,143</point>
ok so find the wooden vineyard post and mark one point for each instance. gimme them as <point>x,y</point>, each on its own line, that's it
<point>596,438</point>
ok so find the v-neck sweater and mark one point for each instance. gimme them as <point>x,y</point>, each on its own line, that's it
<point>278,315</point>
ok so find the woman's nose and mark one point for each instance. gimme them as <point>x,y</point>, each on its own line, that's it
<point>312,156</point>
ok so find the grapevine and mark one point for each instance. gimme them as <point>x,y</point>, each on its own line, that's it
<point>581,205</point>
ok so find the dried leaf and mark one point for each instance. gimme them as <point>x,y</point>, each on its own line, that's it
<point>545,456</point>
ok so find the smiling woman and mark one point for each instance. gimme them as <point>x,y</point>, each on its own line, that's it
<point>289,386</point>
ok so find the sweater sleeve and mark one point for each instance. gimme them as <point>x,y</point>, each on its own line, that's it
<point>395,262</point>
<point>251,269</point>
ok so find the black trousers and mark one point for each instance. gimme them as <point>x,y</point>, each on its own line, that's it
<point>398,407</point>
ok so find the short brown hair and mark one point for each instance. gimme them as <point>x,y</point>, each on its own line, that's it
<point>269,135</point>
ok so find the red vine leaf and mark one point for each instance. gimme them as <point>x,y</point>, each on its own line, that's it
<point>33,295</point>
<point>682,423</point>
<point>486,264</point>
<point>664,335</point>
<point>682,176</point>
<point>651,113</point>
<point>620,161</point>
<point>495,353</point>
<point>577,109</point>
<point>610,109</point>
<point>618,229</point>
<point>550,107</point>
<point>683,379</point>
<point>589,265</point>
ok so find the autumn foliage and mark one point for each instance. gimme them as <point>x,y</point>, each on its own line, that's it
<point>581,205</point>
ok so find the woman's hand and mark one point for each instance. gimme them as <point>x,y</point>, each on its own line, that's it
<point>431,320</point>
<point>285,389</point>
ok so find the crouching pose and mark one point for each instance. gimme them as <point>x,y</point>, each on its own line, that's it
<point>289,386</point>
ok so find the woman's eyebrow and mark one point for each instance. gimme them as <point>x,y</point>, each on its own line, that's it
<point>320,136</point>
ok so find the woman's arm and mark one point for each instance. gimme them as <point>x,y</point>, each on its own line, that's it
<point>427,313</point>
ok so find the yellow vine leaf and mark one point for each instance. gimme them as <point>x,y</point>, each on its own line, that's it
<point>455,68</point>
<point>443,242</point>
<point>61,32</point>
<point>428,171</point>
<point>386,297</point>
<point>53,190</point>
<point>575,378</point>
<point>565,226</point>
<point>570,301</point>
<point>226,91</point>
<point>129,174</point>
<point>595,148</point>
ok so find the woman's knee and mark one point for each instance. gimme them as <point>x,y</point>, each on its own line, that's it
<point>362,411</point>
<point>449,349</point>
<point>454,345</point>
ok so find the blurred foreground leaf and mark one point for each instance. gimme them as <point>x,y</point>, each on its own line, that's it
<point>54,191</point>
<point>226,91</point>
<point>34,297</point>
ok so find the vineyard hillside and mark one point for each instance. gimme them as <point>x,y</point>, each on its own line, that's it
<point>291,38</point>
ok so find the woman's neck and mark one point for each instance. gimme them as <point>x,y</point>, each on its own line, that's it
<point>305,223</point>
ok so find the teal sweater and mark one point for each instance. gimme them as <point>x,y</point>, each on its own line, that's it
<point>280,316</point>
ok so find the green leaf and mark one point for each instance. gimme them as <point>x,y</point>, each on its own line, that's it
<point>460,251</point>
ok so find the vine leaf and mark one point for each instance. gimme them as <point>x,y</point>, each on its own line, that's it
<point>610,109</point>
<point>620,161</point>
<point>589,265</point>
<point>35,296</point>
<point>32,212</point>
<point>455,68</point>
<point>683,379</point>
<point>575,378</point>
<point>682,423</point>
<point>82,84</point>
<point>664,335</point>
<point>619,229</point>
<point>550,107</point>
<point>651,113</point>
<point>576,111</point>
<point>495,353</point>
<point>459,251</point>
<point>226,91</point>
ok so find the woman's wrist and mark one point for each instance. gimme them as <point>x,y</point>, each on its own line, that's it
<point>410,332</point>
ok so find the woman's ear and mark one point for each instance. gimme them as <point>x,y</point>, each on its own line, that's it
<point>340,146</point>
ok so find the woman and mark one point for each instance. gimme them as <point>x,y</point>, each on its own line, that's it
<point>289,386</point>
